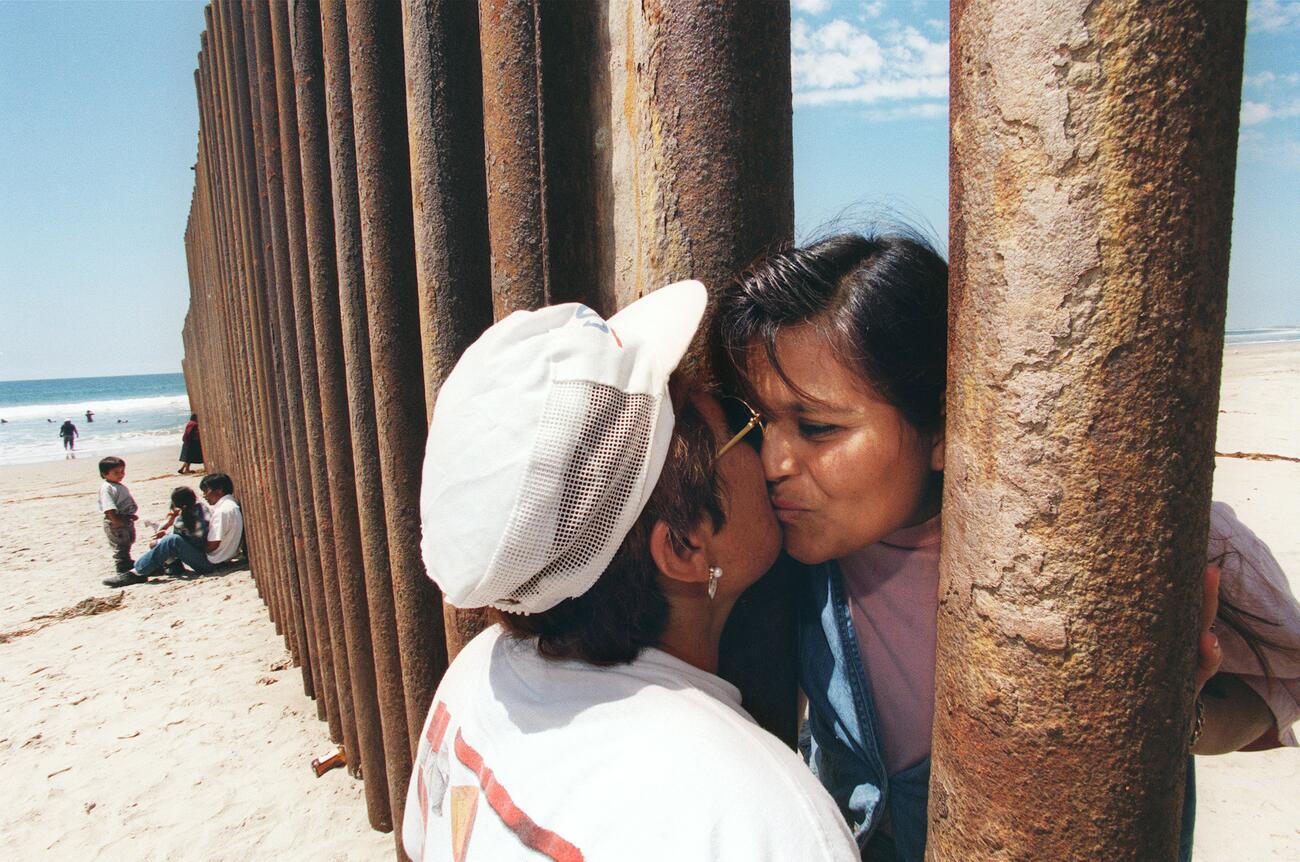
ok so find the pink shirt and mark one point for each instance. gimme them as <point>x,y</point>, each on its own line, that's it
<point>893,593</point>
<point>1254,582</point>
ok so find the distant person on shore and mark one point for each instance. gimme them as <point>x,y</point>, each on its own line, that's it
<point>90,415</point>
<point>69,433</point>
<point>119,509</point>
<point>191,445</point>
<point>225,532</point>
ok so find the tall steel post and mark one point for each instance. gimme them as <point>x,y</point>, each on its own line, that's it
<point>392,308</point>
<point>1093,152</point>
<point>326,40</point>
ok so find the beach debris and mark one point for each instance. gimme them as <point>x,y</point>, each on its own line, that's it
<point>132,735</point>
<point>177,624</point>
<point>281,664</point>
<point>268,680</point>
<point>58,771</point>
<point>84,608</point>
<point>332,760</point>
<point>79,701</point>
<point>90,806</point>
<point>1256,456</point>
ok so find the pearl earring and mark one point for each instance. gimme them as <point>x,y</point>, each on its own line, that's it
<point>715,573</point>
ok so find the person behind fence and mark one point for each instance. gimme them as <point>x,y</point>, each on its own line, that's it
<point>225,533</point>
<point>842,347</point>
<point>119,510</point>
<point>609,521</point>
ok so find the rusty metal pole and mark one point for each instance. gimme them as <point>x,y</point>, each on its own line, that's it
<point>452,255</point>
<point>248,462</point>
<point>322,37</point>
<point>280,510</point>
<point>1093,153</point>
<point>291,290</point>
<point>512,115</point>
<point>316,289</point>
<point>392,308</point>
<point>703,183</point>
<point>220,356</point>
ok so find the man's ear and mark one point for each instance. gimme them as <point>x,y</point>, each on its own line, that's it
<point>937,452</point>
<point>686,562</point>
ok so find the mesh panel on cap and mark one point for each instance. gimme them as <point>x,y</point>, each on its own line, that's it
<point>585,473</point>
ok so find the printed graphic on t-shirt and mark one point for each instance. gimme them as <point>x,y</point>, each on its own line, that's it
<point>464,797</point>
<point>464,805</point>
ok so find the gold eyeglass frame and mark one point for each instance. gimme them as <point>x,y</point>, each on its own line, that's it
<point>755,419</point>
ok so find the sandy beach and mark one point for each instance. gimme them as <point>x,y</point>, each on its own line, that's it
<point>164,721</point>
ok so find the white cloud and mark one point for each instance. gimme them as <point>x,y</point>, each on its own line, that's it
<point>919,111</point>
<point>1266,80</point>
<point>1273,15</point>
<point>841,62</point>
<point>811,7</point>
<point>1254,113</point>
<point>1282,153</point>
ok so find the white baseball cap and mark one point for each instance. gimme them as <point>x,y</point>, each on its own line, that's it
<point>546,441</point>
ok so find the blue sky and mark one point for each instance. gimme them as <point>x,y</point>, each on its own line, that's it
<point>99,129</point>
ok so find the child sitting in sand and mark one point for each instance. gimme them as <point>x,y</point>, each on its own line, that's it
<point>119,509</point>
<point>186,519</point>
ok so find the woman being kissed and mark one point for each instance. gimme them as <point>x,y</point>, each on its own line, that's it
<point>840,347</point>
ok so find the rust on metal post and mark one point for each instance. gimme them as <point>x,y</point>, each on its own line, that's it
<point>392,308</point>
<point>703,184</point>
<point>312,256</point>
<point>332,39</point>
<point>509,42</point>
<point>252,458</point>
<point>299,347</point>
<point>452,254</point>
<point>1093,152</point>
<point>298,506</point>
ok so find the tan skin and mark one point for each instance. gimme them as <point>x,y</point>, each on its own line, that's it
<point>744,548</point>
<point>845,469</point>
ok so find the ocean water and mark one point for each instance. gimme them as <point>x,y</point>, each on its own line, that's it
<point>131,413</point>
<point>1263,336</point>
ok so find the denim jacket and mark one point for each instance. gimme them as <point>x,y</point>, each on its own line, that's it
<point>844,751</point>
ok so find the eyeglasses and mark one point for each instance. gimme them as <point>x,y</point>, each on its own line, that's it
<point>744,422</point>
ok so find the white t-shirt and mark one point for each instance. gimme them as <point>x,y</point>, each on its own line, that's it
<point>115,496</point>
<point>226,526</point>
<point>523,757</point>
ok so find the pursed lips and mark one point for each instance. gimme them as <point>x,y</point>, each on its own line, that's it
<point>788,511</point>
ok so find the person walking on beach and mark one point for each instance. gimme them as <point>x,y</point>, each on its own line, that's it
<point>90,415</point>
<point>119,509</point>
<point>225,533</point>
<point>69,433</point>
<point>191,445</point>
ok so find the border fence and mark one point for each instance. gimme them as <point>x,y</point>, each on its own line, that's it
<point>377,182</point>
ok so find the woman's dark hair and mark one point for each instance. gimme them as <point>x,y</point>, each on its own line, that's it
<point>881,301</point>
<point>184,499</point>
<point>194,417</point>
<point>626,611</point>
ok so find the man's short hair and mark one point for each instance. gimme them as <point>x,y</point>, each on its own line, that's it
<point>109,464</point>
<point>626,611</point>
<point>217,482</point>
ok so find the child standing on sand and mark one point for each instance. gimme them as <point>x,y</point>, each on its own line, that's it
<point>119,508</point>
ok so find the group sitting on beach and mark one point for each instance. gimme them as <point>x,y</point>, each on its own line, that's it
<point>611,547</point>
<point>195,537</point>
